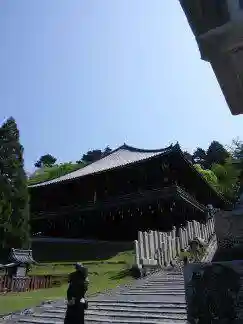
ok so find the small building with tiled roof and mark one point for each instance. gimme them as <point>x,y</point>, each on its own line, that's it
<point>17,262</point>
<point>131,189</point>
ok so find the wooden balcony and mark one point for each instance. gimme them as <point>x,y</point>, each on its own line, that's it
<point>138,198</point>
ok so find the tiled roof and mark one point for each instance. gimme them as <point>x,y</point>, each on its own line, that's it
<point>122,156</point>
<point>21,256</point>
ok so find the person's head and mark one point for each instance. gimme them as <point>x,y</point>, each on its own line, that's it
<point>79,267</point>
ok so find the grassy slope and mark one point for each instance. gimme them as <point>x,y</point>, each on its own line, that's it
<point>103,275</point>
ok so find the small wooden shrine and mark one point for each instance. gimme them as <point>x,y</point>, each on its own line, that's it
<point>18,263</point>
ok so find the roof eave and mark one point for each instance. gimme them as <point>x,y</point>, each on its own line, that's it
<point>163,151</point>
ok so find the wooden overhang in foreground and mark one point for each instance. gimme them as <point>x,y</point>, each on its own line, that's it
<point>218,28</point>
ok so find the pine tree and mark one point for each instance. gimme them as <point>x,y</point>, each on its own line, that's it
<point>14,202</point>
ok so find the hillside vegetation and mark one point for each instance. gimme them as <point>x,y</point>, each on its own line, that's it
<point>47,173</point>
<point>47,168</point>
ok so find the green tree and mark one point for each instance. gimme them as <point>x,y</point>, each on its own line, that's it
<point>106,151</point>
<point>14,196</point>
<point>216,153</point>
<point>49,173</point>
<point>5,220</point>
<point>208,175</point>
<point>200,156</point>
<point>237,149</point>
<point>94,155</point>
<point>46,160</point>
<point>228,177</point>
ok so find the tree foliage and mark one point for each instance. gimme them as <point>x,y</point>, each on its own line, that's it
<point>48,170</point>
<point>49,173</point>
<point>208,175</point>
<point>217,165</point>
<point>14,204</point>
<point>46,160</point>
<point>228,176</point>
<point>216,153</point>
<point>237,149</point>
<point>94,155</point>
<point>223,177</point>
<point>200,157</point>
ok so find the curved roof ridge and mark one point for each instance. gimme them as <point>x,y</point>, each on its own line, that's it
<point>136,149</point>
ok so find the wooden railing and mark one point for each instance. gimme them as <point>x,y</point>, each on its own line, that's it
<point>15,284</point>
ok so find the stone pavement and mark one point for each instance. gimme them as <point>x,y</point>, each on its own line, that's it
<point>156,299</point>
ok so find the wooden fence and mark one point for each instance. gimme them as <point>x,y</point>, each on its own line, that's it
<point>8,284</point>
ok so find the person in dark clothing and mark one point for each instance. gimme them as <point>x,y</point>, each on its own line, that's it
<point>76,303</point>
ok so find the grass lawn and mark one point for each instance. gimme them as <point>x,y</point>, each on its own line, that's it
<point>102,275</point>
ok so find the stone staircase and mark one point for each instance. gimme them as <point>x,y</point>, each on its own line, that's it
<point>156,299</point>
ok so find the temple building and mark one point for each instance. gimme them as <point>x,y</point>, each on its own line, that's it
<point>218,28</point>
<point>131,189</point>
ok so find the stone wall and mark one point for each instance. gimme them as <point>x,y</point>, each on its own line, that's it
<point>158,249</point>
<point>229,229</point>
<point>214,284</point>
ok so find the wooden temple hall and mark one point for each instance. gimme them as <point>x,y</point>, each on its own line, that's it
<point>131,189</point>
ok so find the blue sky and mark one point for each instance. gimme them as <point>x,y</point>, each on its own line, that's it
<point>83,74</point>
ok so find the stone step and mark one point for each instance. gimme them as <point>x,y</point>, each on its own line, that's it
<point>154,292</point>
<point>163,286</point>
<point>139,315</point>
<point>158,287</point>
<point>137,304</point>
<point>115,314</point>
<point>149,299</point>
<point>170,275</point>
<point>147,293</point>
<point>144,321</point>
<point>165,282</point>
<point>168,279</point>
<point>99,320</point>
<point>155,281</point>
<point>127,307</point>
